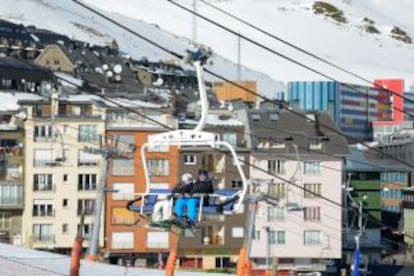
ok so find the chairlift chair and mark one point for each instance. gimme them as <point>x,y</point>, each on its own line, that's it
<point>223,201</point>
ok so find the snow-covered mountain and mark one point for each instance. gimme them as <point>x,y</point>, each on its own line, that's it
<point>370,55</point>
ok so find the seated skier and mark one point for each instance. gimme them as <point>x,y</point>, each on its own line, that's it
<point>202,186</point>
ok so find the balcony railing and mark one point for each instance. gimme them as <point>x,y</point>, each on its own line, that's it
<point>122,245</point>
<point>44,238</point>
<point>86,211</point>
<point>44,213</point>
<point>123,220</point>
<point>10,201</point>
<point>157,245</point>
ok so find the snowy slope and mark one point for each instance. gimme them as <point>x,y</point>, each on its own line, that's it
<point>369,55</point>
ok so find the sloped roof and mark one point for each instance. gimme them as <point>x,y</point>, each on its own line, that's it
<point>296,128</point>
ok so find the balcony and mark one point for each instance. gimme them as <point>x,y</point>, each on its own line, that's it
<point>123,220</point>
<point>43,213</point>
<point>157,244</point>
<point>86,211</point>
<point>11,168</point>
<point>44,238</point>
<point>44,187</point>
<point>12,196</point>
<point>122,245</point>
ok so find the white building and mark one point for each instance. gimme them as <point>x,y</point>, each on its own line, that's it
<point>61,177</point>
<point>297,165</point>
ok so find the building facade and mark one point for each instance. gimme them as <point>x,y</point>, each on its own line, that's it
<point>352,107</point>
<point>296,162</point>
<point>61,175</point>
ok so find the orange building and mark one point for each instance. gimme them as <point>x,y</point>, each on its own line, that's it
<point>127,240</point>
<point>228,92</point>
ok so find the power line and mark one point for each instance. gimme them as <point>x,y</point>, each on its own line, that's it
<point>250,91</point>
<point>260,45</point>
<point>237,85</point>
<point>300,49</point>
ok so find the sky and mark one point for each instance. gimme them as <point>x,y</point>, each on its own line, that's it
<point>367,55</point>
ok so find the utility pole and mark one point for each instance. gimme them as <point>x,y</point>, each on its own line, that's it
<point>359,205</point>
<point>92,254</point>
<point>107,153</point>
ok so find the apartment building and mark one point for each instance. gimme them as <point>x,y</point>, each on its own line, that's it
<point>352,107</point>
<point>127,239</point>
<point>11,170</point>
<point>217,241</point>
<point>297,165</point>
<point>61,175</point>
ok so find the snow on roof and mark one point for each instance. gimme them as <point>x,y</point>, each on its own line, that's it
<point>132,103</point>
<point>19,261</point>
<point>214,120</point>
<point>68,80</point>
<point>9,101</point>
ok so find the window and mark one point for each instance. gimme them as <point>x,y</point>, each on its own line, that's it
<point>65,228</point>
<point>42,208</point>
<point>88,133</point>
<point>42,182</point>
<point>86,231</point>
<point>236,183</point>
<point>123,167</point>
<point>126,143</point>
<point>5,221</point>
<point>158,167</point>
<point>313,190</point>
<point>273,116</point>
<point>86,206</point>
<point>65,202</point>
<point>275,213</point>
<point>276,166</point>
<point>315,145</point>
<point>277,237</point>
<point>229,137</point>
<point>42,132</point>
<point>65,178</point>
<point>42,157</point>
<point>87,159</point>
<point>312,237</point>
<point>10,194</point>
<point>86,182</point>
<point>255,117</point>
<point>311,167</point>
<point>125,191</point>
<point>237,232</point>
<point>312,214</point>
<point>190,159</point>
<point>121,215</point>
<point>43,233</point>
<point>157,239</point>
<point>277,189</point>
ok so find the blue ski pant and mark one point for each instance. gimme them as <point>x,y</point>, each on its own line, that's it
<point>191,205</point>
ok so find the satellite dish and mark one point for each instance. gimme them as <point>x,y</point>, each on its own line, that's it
<point>118,77</point>
<point>109,74</point>
<point>159,82</point>
<point>105,67</point>
<point>117,69</point>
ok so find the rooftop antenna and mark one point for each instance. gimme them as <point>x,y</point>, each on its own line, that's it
<point>194,31</point>
<point>238,57</point>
